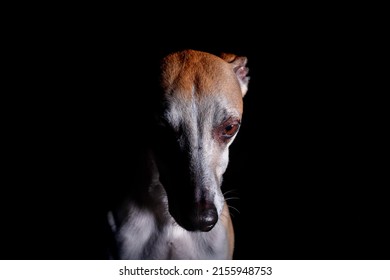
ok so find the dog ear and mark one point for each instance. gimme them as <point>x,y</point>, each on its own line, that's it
<point>239,67</point>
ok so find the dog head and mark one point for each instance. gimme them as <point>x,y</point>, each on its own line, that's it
<point>200,115</point>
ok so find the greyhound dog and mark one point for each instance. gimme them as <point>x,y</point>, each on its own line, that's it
<point>177,210</point>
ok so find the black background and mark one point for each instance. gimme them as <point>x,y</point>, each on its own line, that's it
<point>304,165</point>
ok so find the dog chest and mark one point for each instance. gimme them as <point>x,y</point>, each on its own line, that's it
<point>143,238</point>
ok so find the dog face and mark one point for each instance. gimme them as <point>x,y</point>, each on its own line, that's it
<point>200,116</point>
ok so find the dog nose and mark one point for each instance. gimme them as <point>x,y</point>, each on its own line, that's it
<point>208,217</point>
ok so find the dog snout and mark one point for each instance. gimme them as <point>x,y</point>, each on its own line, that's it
<point>207,217</point>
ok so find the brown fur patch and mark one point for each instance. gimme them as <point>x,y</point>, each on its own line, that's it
<point>191,73</point>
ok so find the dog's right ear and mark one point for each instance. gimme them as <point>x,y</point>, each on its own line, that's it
<point>239,67</point>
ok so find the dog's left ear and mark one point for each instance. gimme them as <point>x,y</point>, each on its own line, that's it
<point>239,67</point>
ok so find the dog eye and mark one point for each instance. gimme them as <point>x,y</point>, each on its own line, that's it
<point>230,129</point>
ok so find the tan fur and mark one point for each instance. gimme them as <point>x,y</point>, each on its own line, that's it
<point>195,72</point>
<point>227,223</point>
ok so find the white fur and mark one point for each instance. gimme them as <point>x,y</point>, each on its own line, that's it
<point>153,234</point>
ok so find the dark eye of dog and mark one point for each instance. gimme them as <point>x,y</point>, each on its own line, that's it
<point>229,128</point>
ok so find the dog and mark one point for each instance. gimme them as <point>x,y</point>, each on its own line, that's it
<point>176,209</point>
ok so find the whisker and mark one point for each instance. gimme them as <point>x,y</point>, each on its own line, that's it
<point>231,214</point>
<point>229,191</point>
<point>234,208</point>
<point>230,198</point>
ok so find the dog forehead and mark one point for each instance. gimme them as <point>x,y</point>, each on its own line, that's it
<point>190,74</point>
<point>208,110</point>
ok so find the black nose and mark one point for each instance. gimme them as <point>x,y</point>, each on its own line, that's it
<point>207,217</point>
<point>199,216</point>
